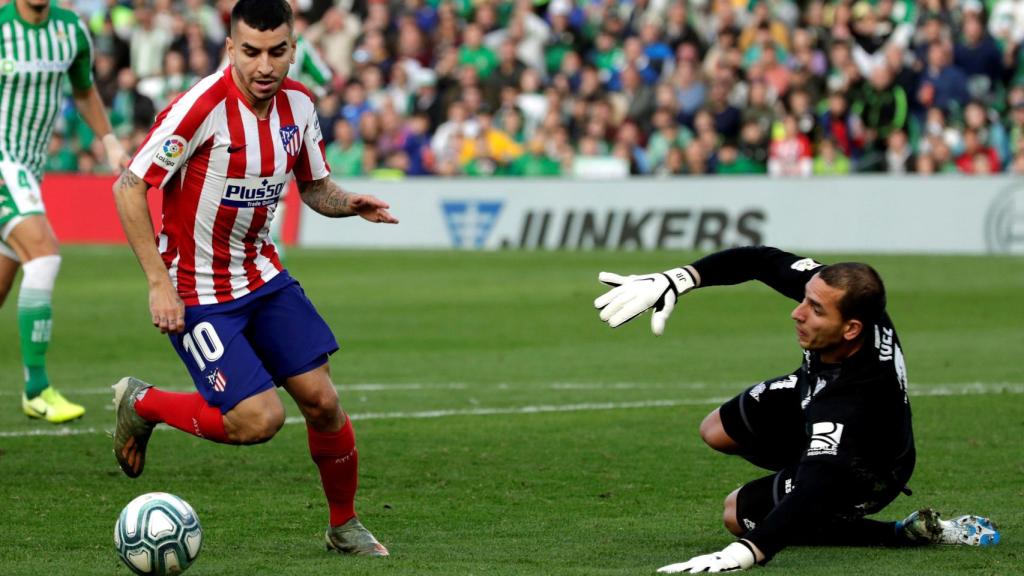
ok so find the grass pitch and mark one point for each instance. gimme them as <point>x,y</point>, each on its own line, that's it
<point>502,428</point>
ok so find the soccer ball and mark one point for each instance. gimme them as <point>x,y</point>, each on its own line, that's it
<point>158,534</point>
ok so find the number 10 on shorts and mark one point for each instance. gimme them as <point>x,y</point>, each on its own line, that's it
<point>204,344</point>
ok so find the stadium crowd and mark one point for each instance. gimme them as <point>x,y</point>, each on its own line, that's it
<point>601,88</point>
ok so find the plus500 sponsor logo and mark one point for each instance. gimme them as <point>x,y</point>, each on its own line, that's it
<point>253,193</point>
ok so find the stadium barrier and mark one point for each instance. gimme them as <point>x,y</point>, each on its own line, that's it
<point>950,214</point>
<point>955,215</point>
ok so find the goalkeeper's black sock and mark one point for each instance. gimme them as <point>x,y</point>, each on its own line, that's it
<point>860,532</point>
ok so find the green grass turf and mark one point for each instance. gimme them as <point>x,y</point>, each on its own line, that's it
<point>619,490</point>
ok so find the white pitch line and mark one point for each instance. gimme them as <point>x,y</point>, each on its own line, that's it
<point>967,389</point>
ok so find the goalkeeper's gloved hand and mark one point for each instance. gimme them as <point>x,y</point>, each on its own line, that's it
<point>735,557</point>
<point>634,295</point>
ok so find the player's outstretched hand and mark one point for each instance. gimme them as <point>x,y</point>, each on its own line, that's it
<point>167,308</point>
<point>631,296</point>
<point>735,557</point>
<point>371,208</point>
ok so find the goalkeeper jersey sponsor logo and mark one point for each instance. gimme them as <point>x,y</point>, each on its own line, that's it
<point>825,437</point>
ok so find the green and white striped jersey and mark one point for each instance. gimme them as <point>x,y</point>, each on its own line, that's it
<point>33,62</point>
<point>309,68</point>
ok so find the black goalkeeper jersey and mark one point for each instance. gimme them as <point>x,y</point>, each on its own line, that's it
<point>859,450</point>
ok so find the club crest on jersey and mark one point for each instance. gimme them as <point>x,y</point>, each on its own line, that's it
<point>170,152</point>
<point>217,380</point>
<point>253,192</point>
<point>290,139</point>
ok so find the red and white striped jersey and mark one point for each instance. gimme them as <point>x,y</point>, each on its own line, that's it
<point>222,171</point>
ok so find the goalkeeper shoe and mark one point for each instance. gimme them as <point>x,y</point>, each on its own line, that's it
<point>353,538</point>
<point>132,432</point>
<point>51,406</point>
<point>926,527</point>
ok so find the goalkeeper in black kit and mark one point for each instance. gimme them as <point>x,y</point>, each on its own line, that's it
<point>836,433</point>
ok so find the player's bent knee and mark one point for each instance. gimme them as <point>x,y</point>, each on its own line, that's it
<point>322,408</point>
<point>729,517</point>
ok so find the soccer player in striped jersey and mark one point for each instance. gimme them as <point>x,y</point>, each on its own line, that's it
<point>223,153</point>
<point>40,44</point>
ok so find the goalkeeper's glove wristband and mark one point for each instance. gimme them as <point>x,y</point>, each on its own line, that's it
<point>681,280</point>
<point>735,557</point>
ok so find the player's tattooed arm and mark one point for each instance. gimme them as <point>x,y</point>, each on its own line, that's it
<point>328,199</point>
<point>126,181</point>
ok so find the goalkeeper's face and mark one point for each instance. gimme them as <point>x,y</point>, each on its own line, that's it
<point>820,326</point>
<point>261,59</point>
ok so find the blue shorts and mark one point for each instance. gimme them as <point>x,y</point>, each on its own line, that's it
<point>241,348</point>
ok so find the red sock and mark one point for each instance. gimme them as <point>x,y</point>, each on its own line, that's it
<point>336,456</point>
<point>187,412</point>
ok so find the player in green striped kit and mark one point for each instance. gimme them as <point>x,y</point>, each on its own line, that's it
<point>309,68</point>
<point>39,46</point>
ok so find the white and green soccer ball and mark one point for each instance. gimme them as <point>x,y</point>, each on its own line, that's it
<point>158,534</point>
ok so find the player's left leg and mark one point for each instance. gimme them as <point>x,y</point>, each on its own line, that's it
<point>36,247</point>
<point>294,343</point>
<point>750,504</point>
<point>332,444</point>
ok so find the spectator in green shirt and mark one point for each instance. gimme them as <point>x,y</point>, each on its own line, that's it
<point>59,157</point>
<point>732,162</point>
<point>474,53</point>
<point>830,161</point>
<point>535,163</point>
<point>345,154</point>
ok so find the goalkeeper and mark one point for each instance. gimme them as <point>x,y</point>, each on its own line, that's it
<point>835,433</point>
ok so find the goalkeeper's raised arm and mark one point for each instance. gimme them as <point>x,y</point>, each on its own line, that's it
<point>633,295</point>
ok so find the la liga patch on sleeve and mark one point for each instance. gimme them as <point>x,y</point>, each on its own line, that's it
<point>170,153</point>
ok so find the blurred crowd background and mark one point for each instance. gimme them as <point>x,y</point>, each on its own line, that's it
<point>597,88</point>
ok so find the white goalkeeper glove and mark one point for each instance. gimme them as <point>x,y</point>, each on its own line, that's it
<point>631,296</point>
<point>735,557</point>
